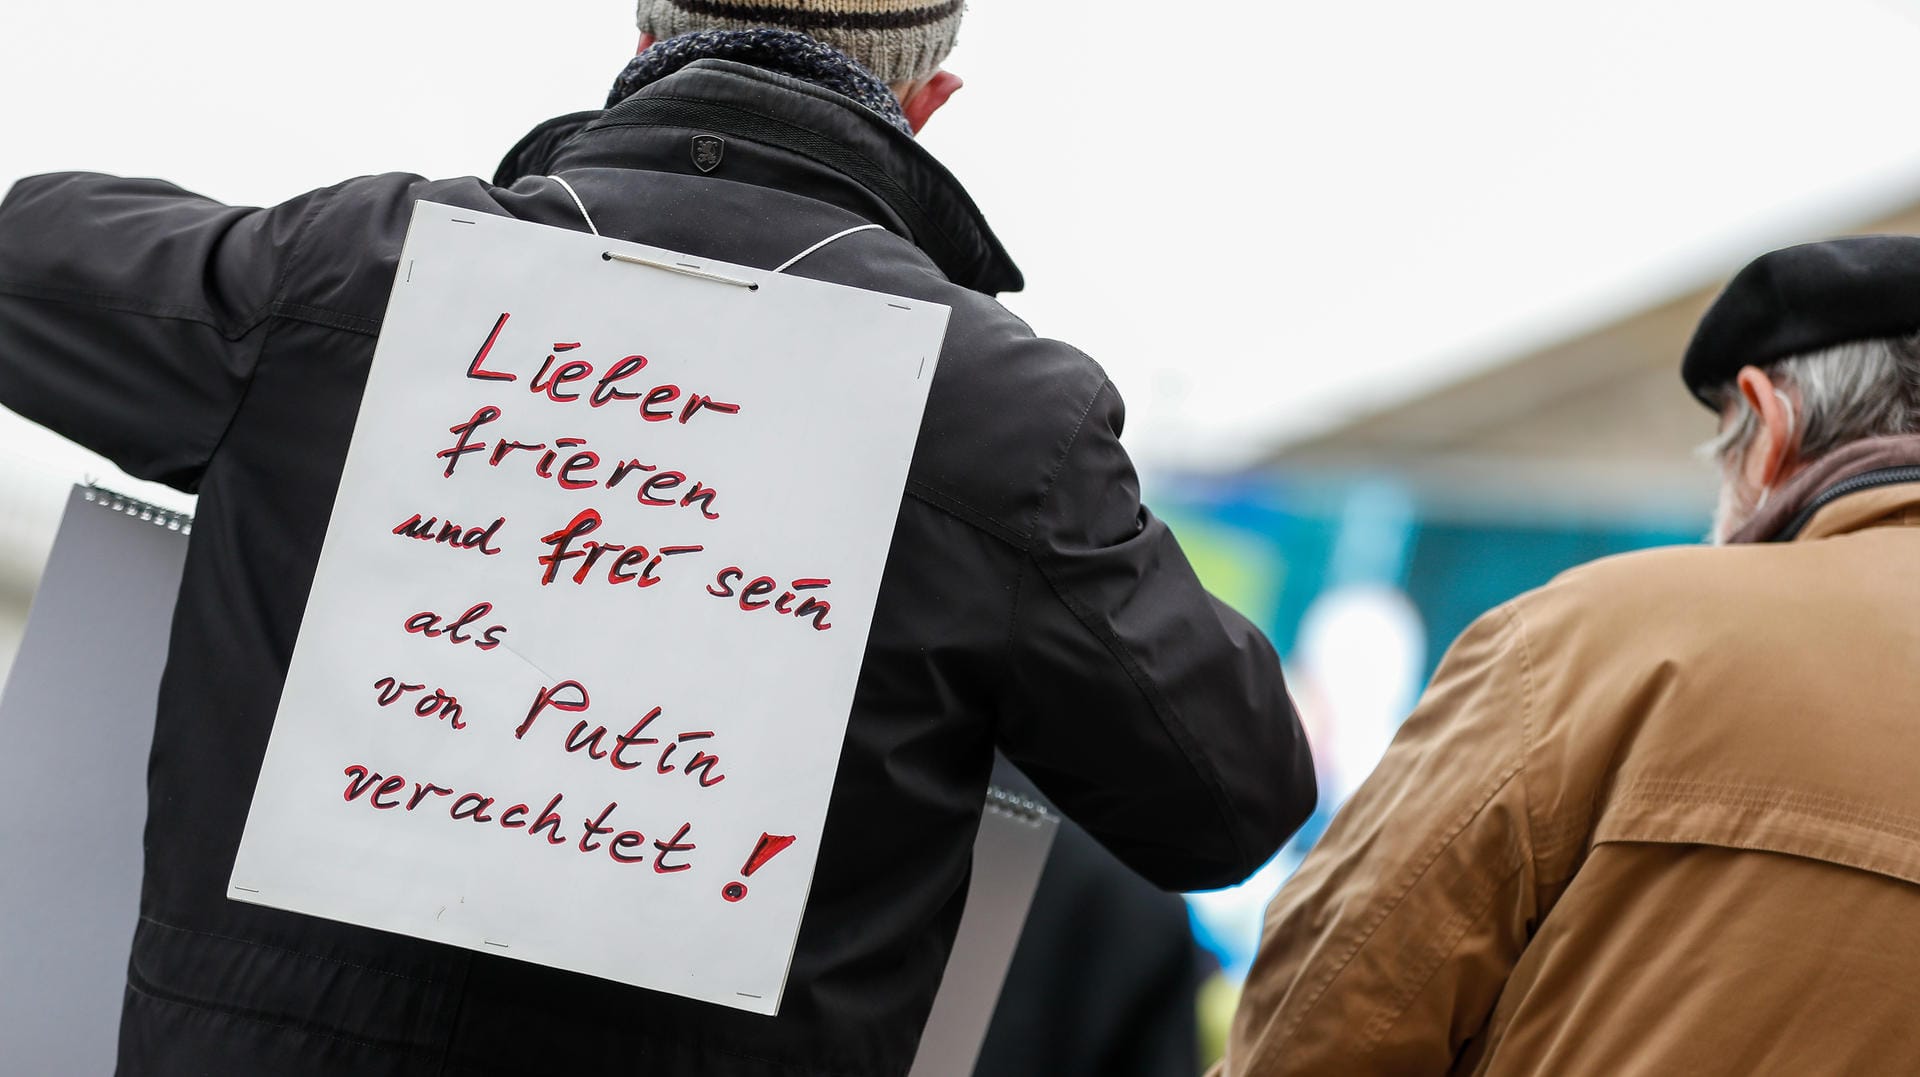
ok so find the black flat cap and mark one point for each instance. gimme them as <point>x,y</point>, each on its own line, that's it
<point>1802,299</point>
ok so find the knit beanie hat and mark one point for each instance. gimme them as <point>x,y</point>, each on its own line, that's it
<point>897,40</point>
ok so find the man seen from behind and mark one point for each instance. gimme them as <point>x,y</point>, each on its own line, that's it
<point>1030,602</point>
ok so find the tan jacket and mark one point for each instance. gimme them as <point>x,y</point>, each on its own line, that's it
<point>1661,816</point>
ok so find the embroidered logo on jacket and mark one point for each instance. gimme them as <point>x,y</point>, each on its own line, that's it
<point>707,152</point>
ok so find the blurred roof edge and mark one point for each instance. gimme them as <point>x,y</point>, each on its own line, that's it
<point>1595,423</point>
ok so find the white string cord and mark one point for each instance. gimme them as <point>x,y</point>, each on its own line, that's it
<point>796,259</point>
<point>688,269</point>
<point>575,195</point>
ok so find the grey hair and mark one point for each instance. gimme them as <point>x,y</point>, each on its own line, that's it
<point>1860,389</point>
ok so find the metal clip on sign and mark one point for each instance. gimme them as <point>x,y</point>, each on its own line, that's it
<point>684,269</point>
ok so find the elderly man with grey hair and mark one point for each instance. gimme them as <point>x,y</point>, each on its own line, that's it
<point>1661,815</point>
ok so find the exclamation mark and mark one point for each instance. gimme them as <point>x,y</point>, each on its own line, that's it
<point>768,847</point>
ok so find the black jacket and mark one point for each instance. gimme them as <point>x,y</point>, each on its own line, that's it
<point>1029,601</point>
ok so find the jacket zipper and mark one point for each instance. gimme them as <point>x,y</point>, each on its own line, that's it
<point>1886,476</point>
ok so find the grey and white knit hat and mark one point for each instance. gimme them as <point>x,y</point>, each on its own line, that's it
<point>897,40</point>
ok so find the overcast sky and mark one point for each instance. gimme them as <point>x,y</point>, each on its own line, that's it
<point>1261,217</point>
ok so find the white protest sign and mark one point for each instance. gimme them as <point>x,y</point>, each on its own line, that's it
<point>581,647</point>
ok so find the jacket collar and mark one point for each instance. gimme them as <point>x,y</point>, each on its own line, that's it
<point>927,205</point>
<point>1895,501</point>
<point>1863,464</point>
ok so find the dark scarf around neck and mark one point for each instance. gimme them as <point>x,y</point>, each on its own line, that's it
<point>1784,514</point>
<point>782,51</point>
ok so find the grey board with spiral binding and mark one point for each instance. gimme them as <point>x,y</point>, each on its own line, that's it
<point>76,721</point>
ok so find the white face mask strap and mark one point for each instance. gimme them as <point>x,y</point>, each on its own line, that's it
<point>1786,403</point>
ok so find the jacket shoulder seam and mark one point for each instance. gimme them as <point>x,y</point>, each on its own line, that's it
<point>1518,626</point>
<point>1453,931</point>
<point>1460,920</point>
<point>946,503</point>
<point>331,319</point>
<point>260,353</point>
<point>120,303</point>
<point>1753,796</point>
<point>1640,834</point>
<point>183,312</point>
<point>1365,930</point>
<point>1060,464</point>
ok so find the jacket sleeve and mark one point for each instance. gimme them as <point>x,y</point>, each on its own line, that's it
<point>1145,708</point>
<point>1386,952</point>
<point>132,312</point>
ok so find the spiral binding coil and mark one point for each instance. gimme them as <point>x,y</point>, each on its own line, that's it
<point>139,510</point>
<point>1014,806</point>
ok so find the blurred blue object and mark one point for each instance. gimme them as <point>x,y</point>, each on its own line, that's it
<point>1362,589</point>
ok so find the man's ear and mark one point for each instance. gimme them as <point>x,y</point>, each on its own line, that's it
<point>926,98</point>
<point>1772,455</point>
<point>646,42</point>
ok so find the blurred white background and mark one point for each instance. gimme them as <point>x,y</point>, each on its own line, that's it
<point>1263,219</point>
